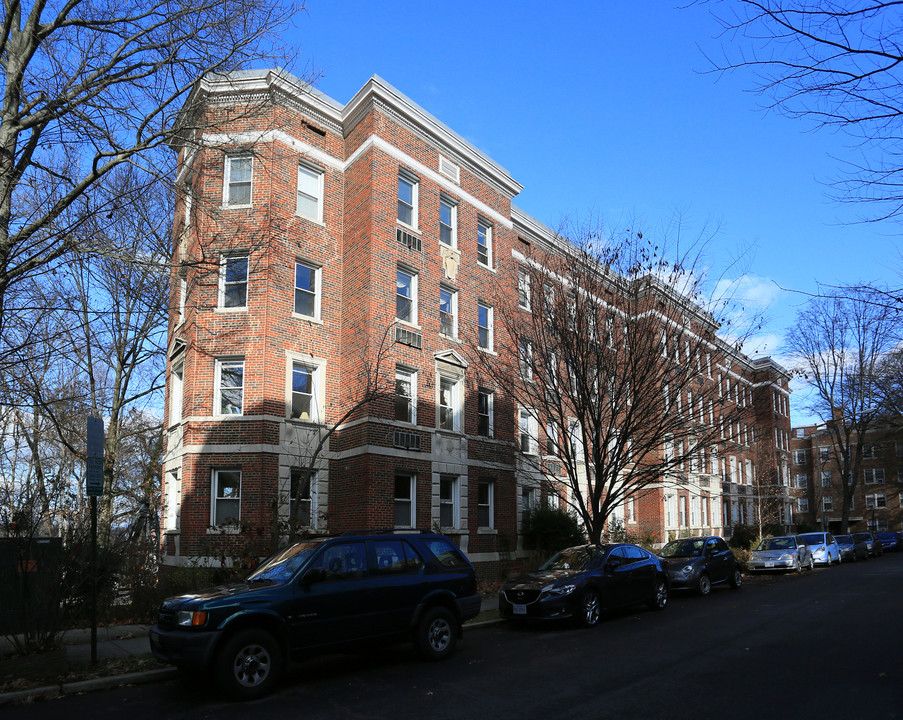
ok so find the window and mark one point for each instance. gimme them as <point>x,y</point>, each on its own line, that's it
<point>176,384</point>
<point>484,325</point>
<point>529,497</point>
<point>527,431</point>
<point>448,501</point>
<point>303,490</point>
<point>523,289</point>
<point>405,396</point>
<point>406,296</point>
<point>525,359</point>
<point>575,437</point>
<point>404,500</point>
<point>486,504</point>
<point>873,475</point>
<point>802,481</point>
<point>305,405</point>
<point>237,185</point>
<point>826,478</point>
<point>233,282</point>
<point>799,457</point>
<point>310,193</point>
<point>448,312</point>
<point>875,500</point>
<point>827,503</point>
<point>877,525</point>
<point>449,404</point>
<point>551,439</point>
<point>485,401</point>
<point>824,454</point>
<point>484,244</point>
<point>347,561</point>
<point>407,199</point>
<point>307,290</point>
<point>183,294</point>
<point>395,557</point>
<point>172,503</point>
<point>229,387</point>
<point>448,222</point>
<point>226,498</point>
<point>802,505</point>
<point>870,451</point>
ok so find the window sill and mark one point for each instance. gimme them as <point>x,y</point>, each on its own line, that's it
<point>228,206</point>
<point>408,325</point>
<point>308,422</point>
<point>312,221</point>
<point>235,416</point>
<point>451,338</point>
<point>487,531</point>
<point>224,530</point>
<point>225,310</point>
<point>488,351</point>
<point>307,318</point>
<point>486,267</point>
<point>408,228</point>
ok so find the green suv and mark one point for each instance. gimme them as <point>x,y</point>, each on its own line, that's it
<point>321,593</point>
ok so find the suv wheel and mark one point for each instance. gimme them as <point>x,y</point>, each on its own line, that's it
<point>249,664</point>
<point>437,634</point>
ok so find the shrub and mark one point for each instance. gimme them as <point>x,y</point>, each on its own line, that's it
<point>551,529</point>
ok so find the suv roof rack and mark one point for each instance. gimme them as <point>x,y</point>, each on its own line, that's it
<point>387,531</point>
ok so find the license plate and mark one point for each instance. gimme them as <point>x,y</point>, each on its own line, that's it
<point>519,609</point>
<point>769,563</point>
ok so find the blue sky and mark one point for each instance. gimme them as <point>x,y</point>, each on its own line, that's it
<point>602,108</point>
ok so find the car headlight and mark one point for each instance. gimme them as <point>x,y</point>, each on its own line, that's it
<point>191,618</point>
<point>787,556</point>
<point>820,548</point>
<point>559,590</point>
<point>687,569</point>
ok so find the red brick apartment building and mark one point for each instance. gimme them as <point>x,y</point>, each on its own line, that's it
<point>314,239</point>
<point>816,480</point>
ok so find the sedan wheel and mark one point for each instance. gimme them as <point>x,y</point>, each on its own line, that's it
<point>590,609</point>
<point>799,566</point>
<point>705,585</point>
<point>811,563</point>
<point>736,579</point>
<point>659,600</point>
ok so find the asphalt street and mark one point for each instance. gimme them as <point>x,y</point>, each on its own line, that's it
<point>823,645</point>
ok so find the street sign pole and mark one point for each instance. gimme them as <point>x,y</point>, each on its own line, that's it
<point>94,488</point>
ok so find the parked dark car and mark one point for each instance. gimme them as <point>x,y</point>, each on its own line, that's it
<point>890,540</point>
<point>875,546</point>
<point>580,582</point>
<point>852,549</point>
<point>323,593</point>
<point>697,563</point>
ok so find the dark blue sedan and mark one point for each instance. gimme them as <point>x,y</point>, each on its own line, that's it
<point>580,582</point>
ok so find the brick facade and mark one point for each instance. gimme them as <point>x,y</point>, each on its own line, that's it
<point>294,202</point>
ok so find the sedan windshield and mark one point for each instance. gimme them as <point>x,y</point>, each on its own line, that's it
<point>781,543</point>
<point>575,558</point>
<point>683,548</point>
<point>281,566</point>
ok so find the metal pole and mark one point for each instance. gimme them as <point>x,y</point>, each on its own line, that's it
<point>94,580</point>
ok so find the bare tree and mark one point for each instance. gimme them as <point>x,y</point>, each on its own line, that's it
<point>89,86</point>
<point>839,343</point>
<point>835,63</point>
<point>609,350</point>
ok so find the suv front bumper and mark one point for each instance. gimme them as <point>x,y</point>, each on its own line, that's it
<point>182,647</point>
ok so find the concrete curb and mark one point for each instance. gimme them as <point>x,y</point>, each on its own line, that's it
<point>48,692</point>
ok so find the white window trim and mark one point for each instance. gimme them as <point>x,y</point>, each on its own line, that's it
<point>320,175</point>
<point>214,499</point>
<point>487,227</point>
<point>314,490</point>
<point>414,294</point>
<point>412,379</point>
<point>491,505</point>
<point>414,181</point>
<point>455,501</point>
<point>318,289</point>
<point>227,173</point>
<point>453,217</point>
<point>217,394</point>
<point>412,478</point>
<point>221,299</point>
<point>532,431</point>
<point>457,402</point>
<point>523,284</point>
<point>491,395</point>
<point>176,392</point>
<point>490,329</point>
<point>454,311</point>
<point>318,402</point>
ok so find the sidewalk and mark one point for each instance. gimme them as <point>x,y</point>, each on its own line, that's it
<point>122,641</point>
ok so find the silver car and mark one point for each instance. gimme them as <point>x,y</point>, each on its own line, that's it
<point>825,550</point>
<point>787,552</point>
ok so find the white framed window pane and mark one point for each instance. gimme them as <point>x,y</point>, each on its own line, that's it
<point>484,324</point>
<point>302,490</point>
<point>404,505</point>
<point>484,413</point>
<point>309,193</point>
<point>305,290</point>
<point>404,297</point>
<point>231,387</point>
<point>303,384</point>
<point>447,488</point>
<point>227,497</point>
<point>485,502</point>
<point>405,201</point>
<point>446,223</point>
<point>446,312</point>
<point>239,171</point>
<point>405,407</point>
<point>484,244</point>
<point>446,404</point>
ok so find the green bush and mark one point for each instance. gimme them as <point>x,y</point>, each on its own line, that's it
<point>548,530</point>
<point>744,537</point>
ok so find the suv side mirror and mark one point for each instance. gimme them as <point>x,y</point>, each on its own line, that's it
<point>314,575</point>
